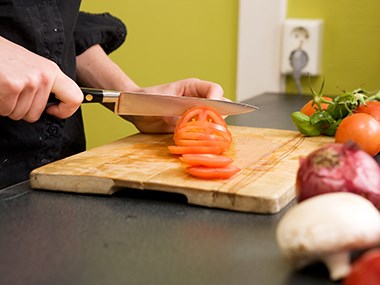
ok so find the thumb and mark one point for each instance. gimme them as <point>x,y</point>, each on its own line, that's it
<point>69,95</point>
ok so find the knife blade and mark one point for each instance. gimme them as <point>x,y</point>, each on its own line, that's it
<point>148,104</point>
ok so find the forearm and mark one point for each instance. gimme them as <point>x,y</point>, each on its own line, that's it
<point>95,69</point>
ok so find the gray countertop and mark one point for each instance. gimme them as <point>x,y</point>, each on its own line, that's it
<point>145,237</point>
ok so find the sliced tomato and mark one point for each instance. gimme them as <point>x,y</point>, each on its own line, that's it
<point>205,128</point>
<point>205,172</point>
<point>210,160</point>
<point>175,149</point>
<point>203,135</point>
<point>198,136</point>
<point>201,114</point>
<point>206,125</point>
<point>224,145</point>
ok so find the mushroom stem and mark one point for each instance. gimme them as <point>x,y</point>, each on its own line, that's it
<point>338,264</point>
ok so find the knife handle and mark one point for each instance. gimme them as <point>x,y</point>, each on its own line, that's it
<point>91,95</point>
<point>94,95</point>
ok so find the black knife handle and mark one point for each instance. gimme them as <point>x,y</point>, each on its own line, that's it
<point>95,95</point>
<point>91,95</point>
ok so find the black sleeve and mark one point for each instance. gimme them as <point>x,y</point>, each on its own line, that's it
<point>103,29</point>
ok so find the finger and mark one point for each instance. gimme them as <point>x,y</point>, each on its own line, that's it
<point>215,91</point>
<point>204,89</point>
<point>69,94</point>
<point>7,104</point>
<point>24,101</point>
<point>39,104</point>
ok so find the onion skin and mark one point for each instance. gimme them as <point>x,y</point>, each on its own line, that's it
<point>339,167</point>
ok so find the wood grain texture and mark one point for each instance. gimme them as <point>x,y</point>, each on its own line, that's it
<point>268,159</point>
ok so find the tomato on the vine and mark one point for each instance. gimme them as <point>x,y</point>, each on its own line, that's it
<point>362,129</point>
<point>309,109</point>
<point>372,108</point>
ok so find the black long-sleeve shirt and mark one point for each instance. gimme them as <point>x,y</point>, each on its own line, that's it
<point>54,29</point>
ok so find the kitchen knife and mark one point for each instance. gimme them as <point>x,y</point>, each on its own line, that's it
<point>144,104</point>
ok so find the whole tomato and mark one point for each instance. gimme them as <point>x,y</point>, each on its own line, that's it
<point>362,129</point>
<point>372,108</point>
<point>365,270</point>
<point>309,109</point>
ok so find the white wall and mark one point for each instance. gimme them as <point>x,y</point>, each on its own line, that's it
<point>259,38</point>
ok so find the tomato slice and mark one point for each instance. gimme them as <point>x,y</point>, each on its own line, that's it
<point>224,145</point>
<point>175,149</point>
<point>202,114</point>
<point>203,135</point>
<point>206,125</point>
<point>198,136</point>
<point>210,160</point>
<point>205,172</point>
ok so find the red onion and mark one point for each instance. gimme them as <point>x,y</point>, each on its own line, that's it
<point>339,168</point>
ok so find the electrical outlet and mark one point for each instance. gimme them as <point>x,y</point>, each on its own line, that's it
<point>304,34</point>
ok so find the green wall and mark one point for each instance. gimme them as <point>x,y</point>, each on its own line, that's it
<point>351,49</point>
<point>167,40</point>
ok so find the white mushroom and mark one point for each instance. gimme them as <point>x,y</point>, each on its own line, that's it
<point>327,227</point>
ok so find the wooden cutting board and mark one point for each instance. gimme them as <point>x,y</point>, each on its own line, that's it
<point>268,159</point>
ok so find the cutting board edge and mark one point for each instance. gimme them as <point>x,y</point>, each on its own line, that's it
<point>72,183</point>
<point>228,201</point>
<point>194,196</point>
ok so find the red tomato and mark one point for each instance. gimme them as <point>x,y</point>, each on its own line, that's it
<point>365,270</point>
<point>201,127</point>
<point>201,135</point>
<point>210,160</point>
<point>205,172</point>
<point>204,128</point>
<point>201,114</point>
<point>174,149</point>
<point>224,145</point>
<point>197,136</point>
<point>362,129</point>
<point>309,109</point>
<point>372,108</point>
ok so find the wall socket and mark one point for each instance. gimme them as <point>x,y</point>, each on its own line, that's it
<point>305,34</point>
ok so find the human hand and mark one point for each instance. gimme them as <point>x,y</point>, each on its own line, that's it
<point>192,87</point>
<point>26,81</point>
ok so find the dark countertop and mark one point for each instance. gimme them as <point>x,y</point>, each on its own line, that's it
<point>145,237</point>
